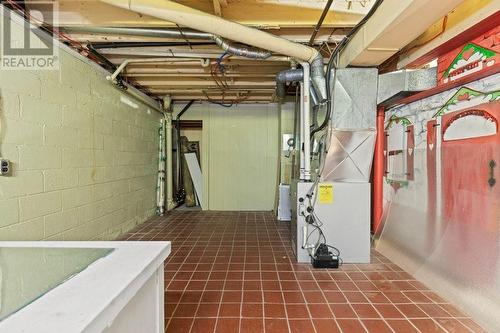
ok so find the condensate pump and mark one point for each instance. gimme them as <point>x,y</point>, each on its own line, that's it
<point>323,258</point>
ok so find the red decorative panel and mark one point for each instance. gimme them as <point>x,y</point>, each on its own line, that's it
<point>475,56</point>
<point>466,168</point>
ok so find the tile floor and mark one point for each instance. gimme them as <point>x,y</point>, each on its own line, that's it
<point>234,272</point>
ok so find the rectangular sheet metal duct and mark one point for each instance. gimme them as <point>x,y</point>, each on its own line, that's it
<point>400,84</point>
<point>353,127</point>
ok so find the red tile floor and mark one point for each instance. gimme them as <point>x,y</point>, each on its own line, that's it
<point>232,272</point>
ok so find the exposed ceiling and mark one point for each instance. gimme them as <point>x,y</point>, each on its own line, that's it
<point>223,79</point>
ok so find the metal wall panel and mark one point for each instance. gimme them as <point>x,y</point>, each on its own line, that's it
<point>350,156</point>
<point>353,127</point>
<point>354,98</point>
<point>346,222</point>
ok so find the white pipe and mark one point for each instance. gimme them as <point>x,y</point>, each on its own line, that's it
<point>301,127</point>
<point>304,236</point>
<point>160,189</point>
<point>124,64</point>
<point>133,51</point>
<point>169,177</point>
<point>195,19</point>
<point>307,121</point>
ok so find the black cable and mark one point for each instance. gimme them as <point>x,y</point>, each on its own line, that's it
<point>316,220</point>
<point>334,54</point>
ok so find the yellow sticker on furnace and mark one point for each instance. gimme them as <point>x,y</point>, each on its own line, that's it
<point>325,193</point>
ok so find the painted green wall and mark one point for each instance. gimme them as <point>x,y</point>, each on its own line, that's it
<point>84,155</point>
<point>239,155</point>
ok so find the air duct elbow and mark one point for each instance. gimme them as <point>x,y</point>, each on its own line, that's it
<point>285,76</point>
<point>290,75</point>
<point>314,98</point>
<point>280,91</point>
<point>241,51</point>
<point>318,78</point>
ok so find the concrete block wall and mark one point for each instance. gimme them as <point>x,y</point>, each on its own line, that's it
<point>84,155</point>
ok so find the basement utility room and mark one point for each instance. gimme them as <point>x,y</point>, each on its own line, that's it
<point>223,166</point>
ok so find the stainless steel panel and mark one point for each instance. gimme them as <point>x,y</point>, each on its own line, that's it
<point>350,156</point>
<point>346,222</point>
<point>353,124</point>
<point>396,85</point>
<point>354,98</point>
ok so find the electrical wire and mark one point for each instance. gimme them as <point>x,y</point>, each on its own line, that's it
<point>325,139</point>
<point>334,57</point>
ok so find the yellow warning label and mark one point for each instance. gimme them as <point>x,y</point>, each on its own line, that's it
<point>325,193</point>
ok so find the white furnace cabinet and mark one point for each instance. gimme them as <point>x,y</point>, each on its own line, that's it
<point>345,216</point>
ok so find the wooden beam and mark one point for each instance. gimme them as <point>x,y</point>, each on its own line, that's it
<point>254,13</point>
<point>393,26</point>
<point>299,34</point>
<point>217,8</point>
<point>468,20</point>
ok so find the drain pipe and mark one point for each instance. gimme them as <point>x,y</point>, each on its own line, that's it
<point>167,105</point>
<point>306,124</point>
<point>113,77</point>
<point>301,132</point>
<point>302,76</point>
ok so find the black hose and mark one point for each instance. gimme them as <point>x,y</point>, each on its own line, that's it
<point>320,22</point>
<point>331,64</point>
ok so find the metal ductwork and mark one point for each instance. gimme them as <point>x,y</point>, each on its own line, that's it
<point>297,75</point>
<point>353,125</point>
<point>228,47</point>
<point>318,78</point>
<point>395,86</point>
<point>241,51</point>
<point>314,98</point>
<point>318,87</point>
<point>198,20</point>
<point>285,76</point>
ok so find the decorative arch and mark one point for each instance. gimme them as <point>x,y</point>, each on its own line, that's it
<point>469,124</point>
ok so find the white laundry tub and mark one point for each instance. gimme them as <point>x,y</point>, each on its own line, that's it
<point>82,286</point>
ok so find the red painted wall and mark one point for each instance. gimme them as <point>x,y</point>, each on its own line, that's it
<point>489,41</point>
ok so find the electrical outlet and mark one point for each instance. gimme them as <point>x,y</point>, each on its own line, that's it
<point>4,167</point>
